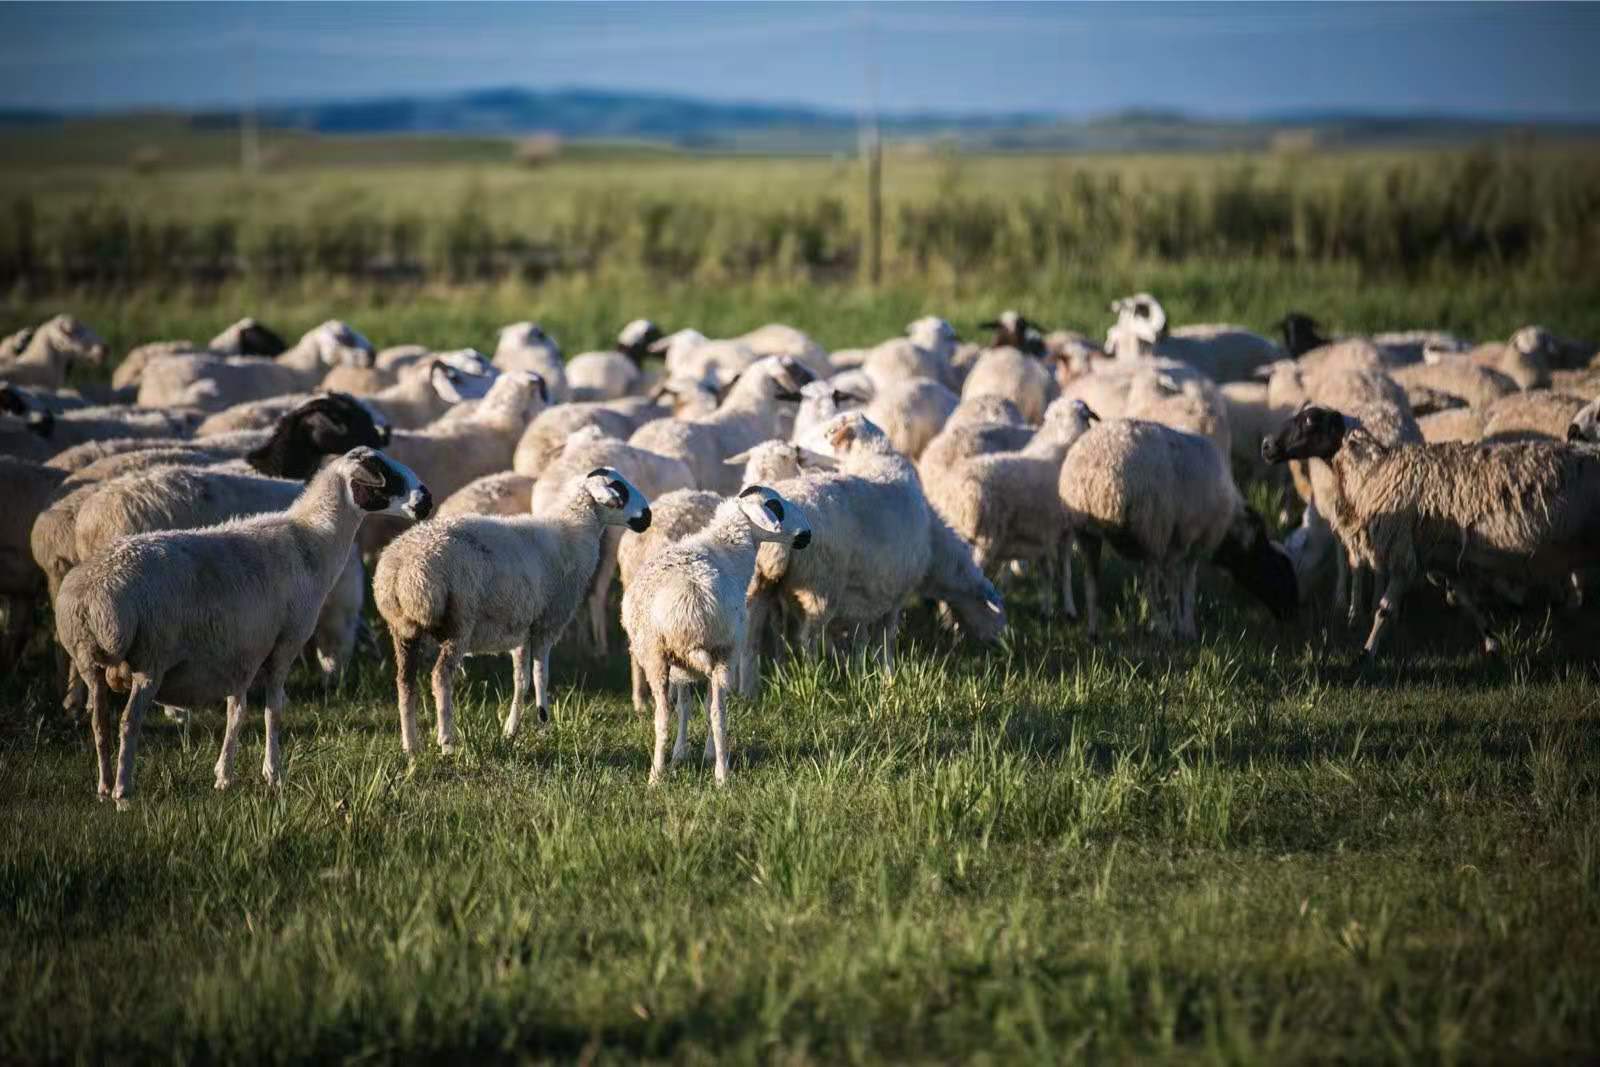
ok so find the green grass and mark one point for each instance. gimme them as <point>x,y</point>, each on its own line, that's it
<point>1235,852</point>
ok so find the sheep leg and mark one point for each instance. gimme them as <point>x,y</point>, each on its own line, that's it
<point>272,758</point>
<point>659,672</point>
<point>519,687</point>
<point>1091,582</point>
<point>1456,596</point>
<point>541,683</point>
<point>1388,609</point>
<point>1063,552</point>
<point>683,698</point>
<point>140,697</point>
<point>717,713</point>
<point>230,740</point>
<point>1359,574</point>
<point>1341,583</point>
<point>1188,629</point>
<point>100,720</point>
<point>641,687</point>
<point>406,654</point>
<point>890,634</point>
<point>1155,597</point>
<point>749,653</point>
<point>600,595</point>
<point>444,672</point>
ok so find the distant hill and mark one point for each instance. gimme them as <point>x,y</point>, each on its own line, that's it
<point>690,123</point>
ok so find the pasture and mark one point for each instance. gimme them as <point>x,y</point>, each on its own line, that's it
<point>1244,850</point>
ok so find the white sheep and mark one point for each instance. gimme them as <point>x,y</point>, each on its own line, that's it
<point>48,351</point>
<point>760,406</point>
<point>1014,375</point>
<point>502,493</point>
<point>195,616</point>
<point>1224,353</point>
<point>1538,414</point>
<point>525,346</point>
<point>614,374</point>
<point>550,430</point>
<point>214,382</point>
<point>977,426</point>
<point>1166,499</point>
<point>481,584</point>
<point>685,611</point>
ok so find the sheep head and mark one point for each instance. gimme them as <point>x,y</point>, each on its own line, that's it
<point>1311,433</point>
<point>852,431</point>
<point>775,461</point>
<point>773,518</point>
<point>247,337</point>
<point>379,485</point>
<point>461,375</point>
<point>1259,564</point>
<point>338,343</point>
<point>636,340</point>
<point>71,339</point>
<point>325,425</point>
<point>616,500</point>
<point>1301,333</point>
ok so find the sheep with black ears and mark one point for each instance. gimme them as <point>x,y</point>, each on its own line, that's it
<point>479,584</point>
<point>685,611</point>
<point>194,616</point>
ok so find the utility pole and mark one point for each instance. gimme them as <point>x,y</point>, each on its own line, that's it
<point>872,156</point>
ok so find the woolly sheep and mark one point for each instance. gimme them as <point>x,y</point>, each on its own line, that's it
<point>685,611</point>
<point>1527,358</point>
<point>1193,405</point>
<point>978,426</point>
<point>503,493</point>
<point>525,346</point>
<point>1455,424</point>
<point>1526,511</point>
<point>214,382</point>
<point>51,349</point>
<point>1165,498</point>
<point>1533,415</point>
<point>610,375</point>
<point>195,616</point>
<point>690,354</point>
<point>29,488</point>
<point>79,425</point>
<point>1478,386</point>
<point>449,455</point>
<point>1015,376</point>
<point>756,409</point>
<point>1005,504</point>
<point>550,430</point>
<point>481,584</point>
<point>1224,353</point>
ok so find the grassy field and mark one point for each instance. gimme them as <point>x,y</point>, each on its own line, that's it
<point>1243,851</point>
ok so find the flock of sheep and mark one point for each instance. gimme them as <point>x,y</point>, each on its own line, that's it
<point>213,515</point>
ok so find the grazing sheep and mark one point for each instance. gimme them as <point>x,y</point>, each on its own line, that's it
<point>685,611</point>
<point>653,473</point>
<point>968,601</point>
<point>611,375</point>
<point>1223,353</point>
<point>525,346</point>
<point>1015,376</point>
<point>29,489</point>
<point>1467,512</point>
<point>194,616</point>
<point>213,383</point>
<point>1005,504</point>
<point>757,409</point>
<point>49,351</point>
<point>1165,498</point>
<point>482,584</point>
<point>1538,414</point>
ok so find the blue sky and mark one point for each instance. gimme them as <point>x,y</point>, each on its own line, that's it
<point>1512,60</point>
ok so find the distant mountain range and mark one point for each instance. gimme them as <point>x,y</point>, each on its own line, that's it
<point>687,122</point>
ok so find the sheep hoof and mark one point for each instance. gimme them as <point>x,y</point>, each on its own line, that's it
<point>655,778</point>
<point>124,804</point>
<point>223,782</point>
<point>544,717</point>
<point>447,748</point>
<point>102,794</point>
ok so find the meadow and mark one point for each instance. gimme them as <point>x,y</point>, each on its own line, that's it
<point>1243,851</point>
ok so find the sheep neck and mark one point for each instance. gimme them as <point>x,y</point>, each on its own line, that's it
<point>326,509</point>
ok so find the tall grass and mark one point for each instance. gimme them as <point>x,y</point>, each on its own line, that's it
<point>1507,208</point>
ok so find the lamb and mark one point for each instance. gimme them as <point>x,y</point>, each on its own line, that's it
<point>30,488</point>
<point>1223,353</point>
<point>49,351</point>
<point>194,616</point>
<point>1525,511</point>
<point>978,426</point>
<point>548,433</point>
<point>214,382</point>
<point>1005,504</point>
<point>611,375</point>
<point>525,346</point>
<point>1015,376</point>
<point>449,455</point>
<point>653,473</point>
<point>685,611</point>
<point>753,412</point>
<point>481,584</point>
<point>1534,415</point>
<point>1165,498</point>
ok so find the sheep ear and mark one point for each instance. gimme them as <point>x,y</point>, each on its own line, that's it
<point>809,458</point>
<point>603,489</point>
<point>740,459</point>
<point>754,503</point>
